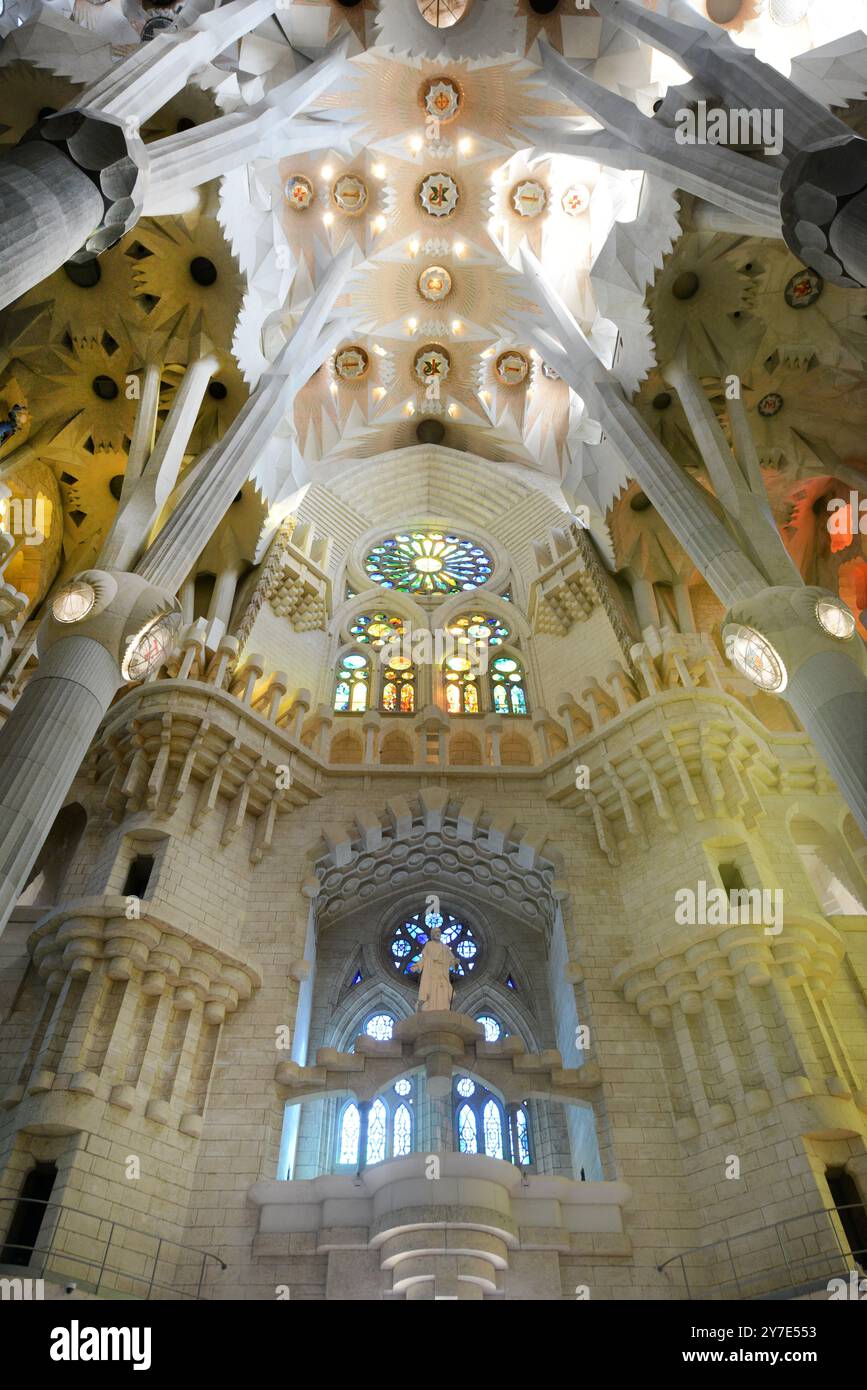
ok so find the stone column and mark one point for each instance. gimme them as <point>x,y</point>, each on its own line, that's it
<point>45,738</point>
<point>49,209</point>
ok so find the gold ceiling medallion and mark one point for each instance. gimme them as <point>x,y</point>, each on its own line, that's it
<point>350,194</point>
<point>435,283</point>
<point>529,198</point>
<point>298,193</point>
<point>441,98</point>
<point>432,363</point>
<point>351,363</point>
<point>576,199</point>
<point>512,367</point>
<point>438,195</point>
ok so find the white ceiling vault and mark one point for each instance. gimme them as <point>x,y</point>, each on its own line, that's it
<point>436,170</point>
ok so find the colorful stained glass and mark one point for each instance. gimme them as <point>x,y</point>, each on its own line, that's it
<point>377,628</point>
<point>507,686</point>
<point>407,939</point>
<point>389,697</point>
<point>429,562</point>
<point>467,1140</point>
<point>402,1130</point>
<point>377,1132</point>
<point>398,692</point>
<point>407,698</point>
<point>453,698</point>
<point>353,682</point>
<point>479,628</point>
<point>350,1129</point>
<point>492,1126</point>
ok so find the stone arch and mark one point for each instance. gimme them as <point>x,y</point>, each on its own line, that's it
<point>464,749</point>
<point>396,748</point>
<point>491,857</point>
<point>827,861</point>
<point>346,747</point>
<point>515,750</point>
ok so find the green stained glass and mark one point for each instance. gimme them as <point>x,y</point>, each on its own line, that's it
<point>429,562</point>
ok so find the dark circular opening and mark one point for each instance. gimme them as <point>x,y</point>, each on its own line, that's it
<point>85,274</point>
<point>656,105</point>
<point>543,6</point>
<point>184,124</point>
<point>686,285</point>
<point>662,401</point>
<point>203,271</point>
<point>640,503</point>
<point>348,4</point>
<point>115,485</point>
<point>723,11</point>
<point>430,432</point>
<point>239,497</point>
<point>104,387</point>
<point>748,266</point>
<point>45,112</point>
<point>217,391</point>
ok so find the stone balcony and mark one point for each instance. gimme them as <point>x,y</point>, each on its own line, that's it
<point>440,1226</point>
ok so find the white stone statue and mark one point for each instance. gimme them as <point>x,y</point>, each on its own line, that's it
<point>435,988</point>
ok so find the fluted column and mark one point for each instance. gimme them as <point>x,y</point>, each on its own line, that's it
<point>48,209</point>
<point>41,748</point>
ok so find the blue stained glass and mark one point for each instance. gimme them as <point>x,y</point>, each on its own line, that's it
<point>350,1129</point>
<point>519,703</point>
<point>376,1132</point>
<point>402,1131</point>
<point>467,1140</point>
<point>400,948</point>
<point>358,978</point>
<point>493,1130</point>
<point>491,1027</point>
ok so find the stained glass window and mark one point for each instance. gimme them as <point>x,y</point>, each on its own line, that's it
<point>377,1121</point>
<point>493,1129</point>
<point>350,1128</point>
<point>492,1028</point>
<point>480,628</point>
<point>352,691</point>
<point>402,1131</point>
<point>380,1027</point>
<point>483,1125</point>
<point>507,686</point>
<point>522,1137</point>
<point>377,628</point>
<point>407,939</point>
<point>467,1141</point>
<point>429,562</point>
<point>398,687</point>
<point>462,686</point>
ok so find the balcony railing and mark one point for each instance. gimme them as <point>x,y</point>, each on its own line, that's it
<point>109,1258</point>
<point>787,1259</point>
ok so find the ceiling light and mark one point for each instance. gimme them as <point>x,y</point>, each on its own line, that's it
<point>327,171</point>
<point>465,145</point>
<point>413,247</point>
<point>454,411</point>
<point>412,325</point>
<point>416,143</point>
<point>456,325</point>
<point>835,618</point>
<point>409,408</point>
<point>378,171</point>
<point>378,392</point>
<point>328,218</point>
<point>459,248</point>
<point>379,223</point>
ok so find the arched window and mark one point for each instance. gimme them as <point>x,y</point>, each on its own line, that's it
<point>508,691</point>
<point>352,692</point>
<point>398,687</point>
<point>377,628</point>
<point>462,686</point>
<point>405,942</point>
<point>387,1130</point>
<point>483,1125</point>
<point>493,1029</point>
<point>380,1027</point>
